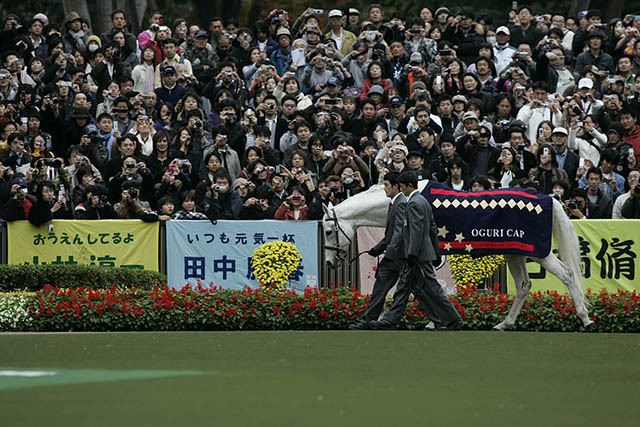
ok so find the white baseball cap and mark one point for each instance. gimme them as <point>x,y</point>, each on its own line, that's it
<point>504,30</point>
<point>585,82</point>
<point>335,13</point>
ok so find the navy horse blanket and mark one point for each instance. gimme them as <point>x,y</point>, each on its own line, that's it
<point>505,221</point>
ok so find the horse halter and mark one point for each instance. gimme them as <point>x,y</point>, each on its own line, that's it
<point>340,253</point>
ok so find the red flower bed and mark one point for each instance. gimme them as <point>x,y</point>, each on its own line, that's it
<point>163,308</point>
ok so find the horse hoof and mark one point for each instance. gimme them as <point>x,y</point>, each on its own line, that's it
<point>589,326</point>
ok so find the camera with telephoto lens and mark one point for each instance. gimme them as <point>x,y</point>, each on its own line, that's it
<point>573,204</point>
<point>133,193</point>
<point>54,163</point>
<point>197,123</point>
<point>103,198</point>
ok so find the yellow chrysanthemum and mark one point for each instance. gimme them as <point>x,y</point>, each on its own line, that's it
<point>468,270</point>
<point>274,262</point>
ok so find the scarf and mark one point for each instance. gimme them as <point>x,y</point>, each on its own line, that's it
<point>78,37</point>
<point>149,78</point>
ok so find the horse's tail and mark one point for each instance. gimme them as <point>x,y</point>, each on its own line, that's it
<point>568,245</point>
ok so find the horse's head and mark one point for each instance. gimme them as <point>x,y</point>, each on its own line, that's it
<point>337,236</point>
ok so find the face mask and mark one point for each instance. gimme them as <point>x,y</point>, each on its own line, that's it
<point>92,47</point>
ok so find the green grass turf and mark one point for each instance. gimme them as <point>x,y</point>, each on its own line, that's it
<point>330,378</point>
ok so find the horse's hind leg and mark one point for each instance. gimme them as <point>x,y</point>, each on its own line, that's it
<point>518,268</point>
<point>559,269</point>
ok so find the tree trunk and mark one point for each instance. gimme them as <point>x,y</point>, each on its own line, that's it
<point>614,9</point>
<point>103,16</point>
<point>141,8</point>
<point>79,6</point>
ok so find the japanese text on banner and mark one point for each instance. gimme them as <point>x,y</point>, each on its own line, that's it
<point>608,250</point>
<point>221,254</point>
<point>108,243</point>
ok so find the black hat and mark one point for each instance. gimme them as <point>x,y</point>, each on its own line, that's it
<point>395,100</point>
<point>81,113</point>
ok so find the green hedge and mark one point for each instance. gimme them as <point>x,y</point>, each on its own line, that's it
<point>35,277</point>
<point>193,309</point>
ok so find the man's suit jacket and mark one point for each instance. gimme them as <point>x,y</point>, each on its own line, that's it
<point>420,233</point>
<point>571,164</point>
<point>392,242</point>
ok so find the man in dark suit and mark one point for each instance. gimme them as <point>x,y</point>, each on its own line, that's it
<point>418,277</point>
<point>390,267</point>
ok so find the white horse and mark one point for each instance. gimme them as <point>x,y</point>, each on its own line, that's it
<point>369,208</point>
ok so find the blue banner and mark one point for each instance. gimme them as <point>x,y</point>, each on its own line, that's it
<point>504,221</point>
<point>220,254</point>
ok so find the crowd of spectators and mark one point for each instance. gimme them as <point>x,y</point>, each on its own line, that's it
<point>274,119</point>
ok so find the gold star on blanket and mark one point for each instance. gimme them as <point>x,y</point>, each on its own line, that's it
<point>468,248</point>
<point>459,237</point>
<point>447,246</point>
<point>442,231</point>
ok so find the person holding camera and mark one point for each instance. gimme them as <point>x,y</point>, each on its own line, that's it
<point>294,207</point>
<point>237,139</point>
<point>49,170</point>
<point>221,201</point>
<point>96,204</point>
<point>48,206</point>
<point>627,205</point>
<point>132,170</point>
<point>343,156</point>
<point>316,76</point>
<point>257,205</point>
<point>130,206</point>
<point>110,69</point>
<point>230,159</point>
<point>204,61</point>
<point>20,202</point>
<point>174,180</point>
<point>576,206</point>
<point>18,159</point>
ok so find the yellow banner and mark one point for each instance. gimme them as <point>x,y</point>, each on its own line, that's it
<point>108,243</point>
<point>609,250</point>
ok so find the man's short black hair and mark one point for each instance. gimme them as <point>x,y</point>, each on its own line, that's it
<point>222,173</point>
<point>596,170</point>
<point>630,111</point>
<point>117,11</point>
<point>261,130</point>
<point>408,178</point>
<point>392,177</point>
<point>609,155</point>
<point>540,85</point>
